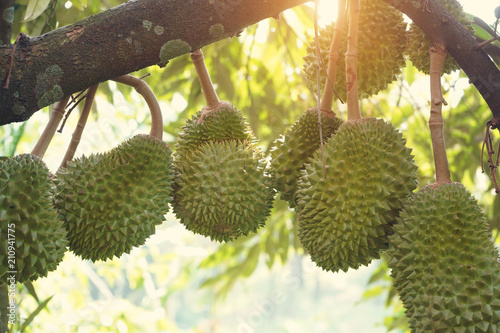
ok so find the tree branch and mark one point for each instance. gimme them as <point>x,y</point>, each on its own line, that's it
<point>443,28</point>
<point>118,41</point>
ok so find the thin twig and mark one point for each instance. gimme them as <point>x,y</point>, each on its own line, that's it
<point>49,131</point>
<point>77,134</point>
<point>74,103</point>
<point>154,106</point>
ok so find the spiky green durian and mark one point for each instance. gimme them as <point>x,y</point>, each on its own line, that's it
<point>381,45</point>
<point>33,239</point>
<point>112,202</point>
<point>294,148</point>
<point>223,191</point>
<point>225,122</point>
<point>345,219</point>
<point>419,44</point>
<point>445,266</point>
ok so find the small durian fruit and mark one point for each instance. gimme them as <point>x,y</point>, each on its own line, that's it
<point>222,123</point>
<point>418,44</point>
<point>382,41</point>
<point>33,239</point>
<point>293,149</point>
<point>223,191</point>
<point>345,219</point>
<point>112,202</point>
<point>444,263</point>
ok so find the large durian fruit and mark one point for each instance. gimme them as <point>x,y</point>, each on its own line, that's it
<point>293,149</point>
<point>33,239</point>
<point>419,44</point>
<point>223,191</point>
<point>445,266</point>
<point>112,202</point>
<point>381,45</point>
<point>345,219</point>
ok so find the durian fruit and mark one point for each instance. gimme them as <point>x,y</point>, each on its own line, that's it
<point>296,146</point>
<point>33,239</point>
<point>112,202</point>
<point>345,219</point>
<point>382,41</point>
<point>419,44</point>
<point>445,266</point>
<point>223,191</point>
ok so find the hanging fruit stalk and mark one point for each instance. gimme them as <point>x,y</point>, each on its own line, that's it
<point>77,134</point>
<point>154,107</point>
<point>49,131</point>
<point>112,202</point>
<point>351,62</point>
<point>437,56</point>
<point>207,86</point>
<point>334,56</point>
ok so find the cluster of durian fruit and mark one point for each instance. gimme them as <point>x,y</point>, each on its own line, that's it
<point>354,197</point>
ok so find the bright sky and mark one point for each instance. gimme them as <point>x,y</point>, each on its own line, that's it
<point>484,9</point>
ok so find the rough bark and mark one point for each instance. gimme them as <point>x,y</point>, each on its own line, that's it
<point>142,33</point>
<point>118,41</point>
<point>444,29</point>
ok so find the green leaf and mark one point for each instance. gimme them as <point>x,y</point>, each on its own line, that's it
<point>31,290</point>
<point>35,9</point>
<point>251,261</point>
<point>373,292</point>
<point>32,316</point>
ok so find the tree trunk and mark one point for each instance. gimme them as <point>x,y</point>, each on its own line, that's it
<point>118,41</point>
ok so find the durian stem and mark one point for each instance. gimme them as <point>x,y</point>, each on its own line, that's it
<point>51,128</point>
<point>318,57</point>
<point>207,86</point>
<point>77,134</point>
<point>351,62</point>
<point>437,56</point>
<point>334,55</point>
<point>154,107</point>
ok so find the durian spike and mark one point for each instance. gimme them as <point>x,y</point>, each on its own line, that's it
<point>49,131</point>
<point>207,86</point>
<point>334,55</point>
<point>154,107</point>
<point>77,134</point>
<point>437,55</point>
<point>318,84</point>
<point>351,62</point>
